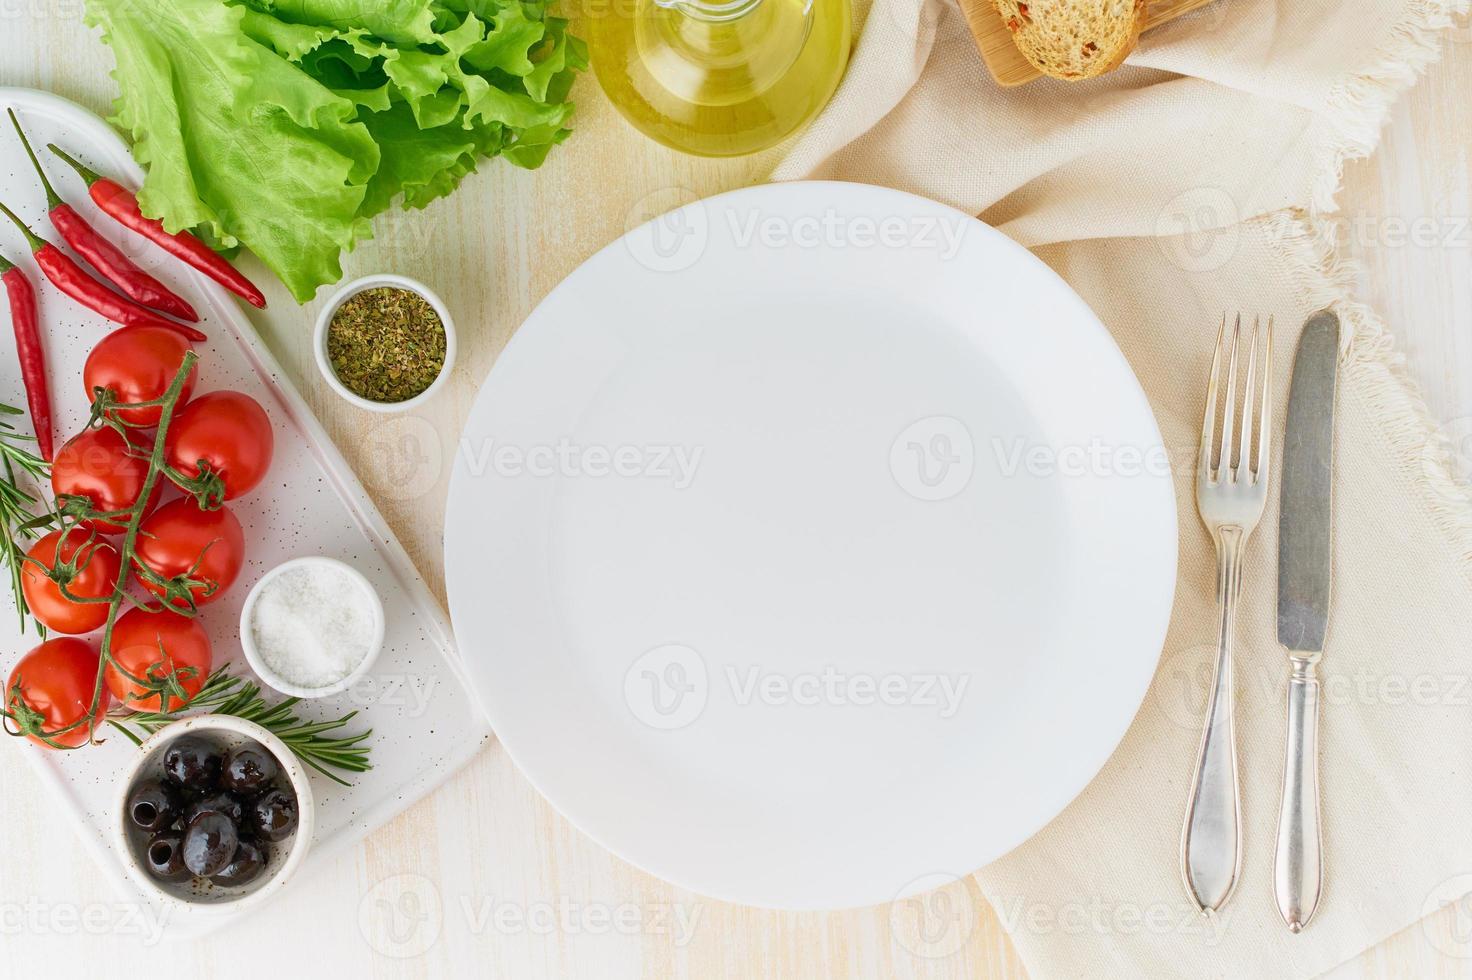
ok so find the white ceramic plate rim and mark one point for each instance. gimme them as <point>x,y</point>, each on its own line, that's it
<point>1092,754</point>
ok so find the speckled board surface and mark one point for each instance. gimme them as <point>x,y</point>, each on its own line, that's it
<point>425,722</point>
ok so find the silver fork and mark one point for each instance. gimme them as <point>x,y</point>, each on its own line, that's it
<point>1230,494</point>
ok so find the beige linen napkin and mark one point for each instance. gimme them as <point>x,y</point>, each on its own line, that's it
<point>1194,181</point>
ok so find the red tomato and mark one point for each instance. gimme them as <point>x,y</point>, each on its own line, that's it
<point>229,432</point>
<point>154,645</point>
<point>99,465</point>
<point>179,539</point>
<point>96,573</point>
<point>56,680</point>
<point>138,363</point>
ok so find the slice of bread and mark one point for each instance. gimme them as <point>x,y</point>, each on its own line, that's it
<point>1073,39</point>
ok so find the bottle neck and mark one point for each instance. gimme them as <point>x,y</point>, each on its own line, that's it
<point>711,11</point>
<point>721,52</point>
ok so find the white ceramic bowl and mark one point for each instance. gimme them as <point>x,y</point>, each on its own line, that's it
<point>258,663</point>
<point>285,856</point>
<point>324,320</point>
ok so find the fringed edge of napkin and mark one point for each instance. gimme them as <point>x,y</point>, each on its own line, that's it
<point>1357,106</point>
<point>1307,245</point>
<point>1355,113</point>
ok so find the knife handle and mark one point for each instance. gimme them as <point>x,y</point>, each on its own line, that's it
<point>1298,870</point>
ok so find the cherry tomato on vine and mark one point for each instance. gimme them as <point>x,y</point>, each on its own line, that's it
<point>180,540</point>
<point>99,465</point>
<point>138,364</point>
<point>231,433</point>
<point>94,575</point>
<point>153,645</point>
<point>53,685</point>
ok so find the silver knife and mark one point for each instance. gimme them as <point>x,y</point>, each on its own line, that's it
<point>1304,548</point>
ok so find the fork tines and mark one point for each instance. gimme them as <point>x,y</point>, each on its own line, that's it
<point>1217,462</point>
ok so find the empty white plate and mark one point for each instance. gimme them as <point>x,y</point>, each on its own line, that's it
<point>810,542</point>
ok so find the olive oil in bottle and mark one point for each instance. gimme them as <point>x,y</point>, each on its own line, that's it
<point>720,77</point>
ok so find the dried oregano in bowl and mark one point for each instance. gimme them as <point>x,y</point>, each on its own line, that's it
<point>386,344</point>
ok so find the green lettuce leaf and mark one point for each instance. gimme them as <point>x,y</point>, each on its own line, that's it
<point>285,125</point>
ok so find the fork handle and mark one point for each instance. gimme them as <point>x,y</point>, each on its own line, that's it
<point>1211,843</point>
<point>1298,871</point>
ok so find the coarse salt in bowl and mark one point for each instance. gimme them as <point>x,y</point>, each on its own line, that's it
<point>311,627</point>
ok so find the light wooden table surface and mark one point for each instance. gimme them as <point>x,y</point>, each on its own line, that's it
<point>484,878</point>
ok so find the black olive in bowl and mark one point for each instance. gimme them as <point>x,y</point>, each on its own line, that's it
<point>153,805</point>
<point>249,770</point>
<point>164,856</point>
<point>209,844</point>
<point>247,864</point>
<point>194,763</point>
<point>273,816</point>
<point>226,803</point>
<point>231,809</point>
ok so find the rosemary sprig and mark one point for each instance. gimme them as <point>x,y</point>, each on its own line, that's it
<point>226,694</point>
<point>18,506</point>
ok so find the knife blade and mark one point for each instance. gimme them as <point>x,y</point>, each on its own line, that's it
<point>1305,553</point>
<point>1306,489</point>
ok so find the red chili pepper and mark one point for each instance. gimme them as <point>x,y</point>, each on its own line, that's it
<point>119,202</point>
<point>29,352</point>
<point>102,254</point>
<point>71,279</point>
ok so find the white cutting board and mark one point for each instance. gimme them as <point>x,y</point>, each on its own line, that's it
<point>425,723</point>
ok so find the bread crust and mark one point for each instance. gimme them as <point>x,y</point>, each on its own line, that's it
<point>1029,39</point>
